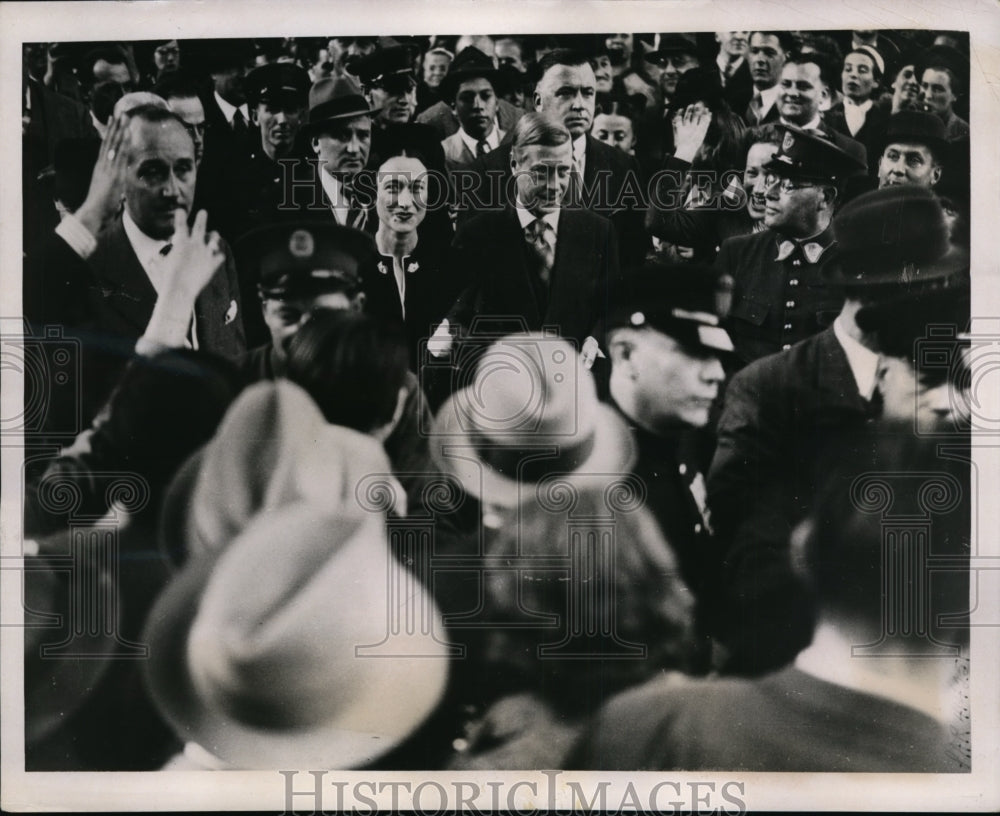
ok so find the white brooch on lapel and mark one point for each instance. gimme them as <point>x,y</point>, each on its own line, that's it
<point>382,268</point>
<point>231,312</point>
<point>413,267</point>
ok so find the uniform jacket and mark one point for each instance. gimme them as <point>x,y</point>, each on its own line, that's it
<point>775,303</point>
<point>491,255</point>
<point>786,420</point>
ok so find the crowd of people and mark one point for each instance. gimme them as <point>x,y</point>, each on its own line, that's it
<point>571,377</point>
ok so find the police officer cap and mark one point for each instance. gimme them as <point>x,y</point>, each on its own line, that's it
<point>679,300</point>
<point>306,259</point>
<point>895,235</point>
<point>803,154</point>
<point>278,82</point>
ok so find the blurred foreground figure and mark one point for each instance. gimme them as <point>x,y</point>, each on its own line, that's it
<point>858,698</point>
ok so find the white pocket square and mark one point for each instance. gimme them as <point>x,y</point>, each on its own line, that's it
<point>231,313</point>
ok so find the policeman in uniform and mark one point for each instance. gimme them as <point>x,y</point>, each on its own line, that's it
<point>301,267</point>
<point>667,347</point>
<point>778,294</point>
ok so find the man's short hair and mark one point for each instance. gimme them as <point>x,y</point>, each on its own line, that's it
<point>154,114</point>
<point>761,134</point>
<point>538,129</point>
<point>827,72</point>
<point>176,85</point>
<point>785,39</point>
<point>561,56</point>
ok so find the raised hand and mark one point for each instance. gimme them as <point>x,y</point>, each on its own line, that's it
<point>107,183</point>
<point>690,126</point>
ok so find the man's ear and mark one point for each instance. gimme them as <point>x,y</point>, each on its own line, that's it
<point>537,101</point>
<point>358,302</point>
<point>935,174</point>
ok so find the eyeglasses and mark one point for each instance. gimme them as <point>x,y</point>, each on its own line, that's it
<point>785,185</point>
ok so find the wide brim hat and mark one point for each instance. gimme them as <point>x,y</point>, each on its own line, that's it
<point>530,415</point>
<point>670,44</point>
<point>392,61</point>
<point>894,236</point>
<point>336,99</point>
<point>221,685</point>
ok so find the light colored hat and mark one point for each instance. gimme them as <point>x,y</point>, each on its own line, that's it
<point>254,651</point>
<point>273,448</point>
<point>531,413</point>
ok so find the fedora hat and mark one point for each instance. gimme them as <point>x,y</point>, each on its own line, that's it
<point>334,99</point>
<point>267,674</point>
<point>469,63</point>
<point>530,413</point>
<point>894,236</point>
<point>272,447</point>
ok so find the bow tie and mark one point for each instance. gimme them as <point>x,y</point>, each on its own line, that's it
<point>811,250</point>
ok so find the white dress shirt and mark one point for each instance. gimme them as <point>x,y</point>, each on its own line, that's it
<point>229,111</point>
<point>863,362</point>
<point>335,192</point>
<point>492,139</point>
<point>580,153</point>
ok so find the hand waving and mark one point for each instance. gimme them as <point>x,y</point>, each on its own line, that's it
<point>690,126</point>
<point>194,256</point>
<point>107,183</point>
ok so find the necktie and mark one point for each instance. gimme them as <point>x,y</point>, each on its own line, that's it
<point>756,106</point>
<point>482,148</point>
<point>357,216</point>
<point>241,132</point>
<point>541,240</point>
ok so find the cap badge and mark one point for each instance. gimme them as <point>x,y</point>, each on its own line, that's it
<point>301,244</point>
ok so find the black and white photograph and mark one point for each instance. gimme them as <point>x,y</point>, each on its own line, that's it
<point>457,406</point>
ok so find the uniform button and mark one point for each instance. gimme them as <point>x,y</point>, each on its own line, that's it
<point>793,282</point>
<point>796,262</point>
<point>697,528</point>
<point>682,469</point>
<point>789,304</point>
<point>788,327</point>
<point>785,347</point>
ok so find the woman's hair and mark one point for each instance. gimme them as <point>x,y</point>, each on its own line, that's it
<point>630,588</point>
<point>353,365</point>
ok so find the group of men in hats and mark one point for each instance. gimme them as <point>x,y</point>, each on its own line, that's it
<point>566,353</point>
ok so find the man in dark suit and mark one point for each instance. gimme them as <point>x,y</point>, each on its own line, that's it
<point>536,263</point>
<point>779,295</point>
<point>785,417</point>
<point>605,180</point>
<point>805,80</point>
<point>125,261</point>
<point>767,54</point>
<point>734,70</point>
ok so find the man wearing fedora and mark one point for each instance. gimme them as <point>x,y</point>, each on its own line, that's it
<point>470,88</point>
<point>340,133</point>
<point>674,54</point>
<point>779,296</point>
<point>604,180</point>
<point>666,346</point>
<point>785,416</point>
<point>915,150</point>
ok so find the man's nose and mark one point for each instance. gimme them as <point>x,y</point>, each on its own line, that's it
<point>939,400</point>
<point>712,370</point>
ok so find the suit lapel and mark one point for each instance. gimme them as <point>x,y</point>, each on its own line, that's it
<point>515,282</point>
<point>121,272</point>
